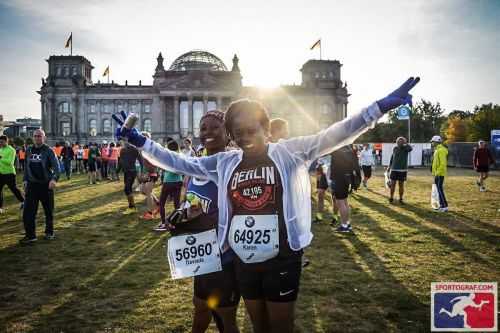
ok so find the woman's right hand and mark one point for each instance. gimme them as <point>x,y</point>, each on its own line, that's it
<point>132,135</point>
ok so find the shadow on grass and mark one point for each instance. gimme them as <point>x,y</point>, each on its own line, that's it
<point>362,295</point>
<point>410,222</point>
<point>84,280</point>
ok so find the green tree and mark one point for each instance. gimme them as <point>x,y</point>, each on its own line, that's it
<point>18,141</point>
<point>486,118</point>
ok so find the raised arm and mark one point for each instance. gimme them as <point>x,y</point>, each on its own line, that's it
<point>347,130</point>
<point>204,167</point>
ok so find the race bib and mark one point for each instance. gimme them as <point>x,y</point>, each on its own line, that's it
<point>193,254</point>
<point>254,238</point>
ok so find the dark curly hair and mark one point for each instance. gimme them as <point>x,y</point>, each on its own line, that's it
<point>246,105</point>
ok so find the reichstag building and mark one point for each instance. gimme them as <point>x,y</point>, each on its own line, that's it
<point>76,108</point>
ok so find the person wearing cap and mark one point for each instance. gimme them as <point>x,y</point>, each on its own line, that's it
<point>481,161</point>
<point>439,169</point>
<point>398,167</point>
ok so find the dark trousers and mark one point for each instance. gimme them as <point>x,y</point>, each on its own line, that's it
<point>128,181</point>
<point>104,169</point>
<point>174,191</point>
<point>439,181</point>
<point>67,167</point>
<point>10,181</point>
<point>36,193</point>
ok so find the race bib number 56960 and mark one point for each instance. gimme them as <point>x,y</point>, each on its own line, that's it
<point>194,254</point>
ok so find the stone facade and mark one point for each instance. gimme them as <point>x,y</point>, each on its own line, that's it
<point>76,109</point>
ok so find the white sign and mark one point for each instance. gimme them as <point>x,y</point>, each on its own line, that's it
<point>403,112</point>
<point>254,238</point>
<point>193,254</point>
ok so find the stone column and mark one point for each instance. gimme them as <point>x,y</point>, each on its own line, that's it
<point>156,114</point>
<point>219,102</point>
<point>52,114</point>
<point>177,116</point>
<point>99,118</point>
<point>190,114</point>
<point>74,114</point>
<point>205,103</point>
<point>43,114</point>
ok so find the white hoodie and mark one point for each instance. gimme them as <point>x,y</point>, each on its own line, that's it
<point>292,158</point>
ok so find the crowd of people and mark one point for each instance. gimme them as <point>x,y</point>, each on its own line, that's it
<point>248,182</point>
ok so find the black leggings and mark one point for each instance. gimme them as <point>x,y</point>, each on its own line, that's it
<point>128,181</point>
<point>174,191</point>
<point>10,181</point>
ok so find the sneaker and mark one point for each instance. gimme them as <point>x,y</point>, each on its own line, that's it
<point>27,240</point>
<point>305,262</point>
<point>482,189</point>
<point>401,201</point>
<point>391,200</point>
<point>343,228</point>
<point>161,227</point>
<point>49,236</point>
<point>349,226</point>
<point>364,184</point>
<point>443,209</point>
<point>147,216</point>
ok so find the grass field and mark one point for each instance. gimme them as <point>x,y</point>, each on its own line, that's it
<point>107,271</point>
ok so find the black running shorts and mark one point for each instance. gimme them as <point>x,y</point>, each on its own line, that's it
<point>340,186</point>
<point>276,284</point>
<point>367,171</point>
<point>221,287</point>
<point>398,175</point>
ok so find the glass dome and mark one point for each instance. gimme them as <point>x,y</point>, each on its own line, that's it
<point>198,60</point>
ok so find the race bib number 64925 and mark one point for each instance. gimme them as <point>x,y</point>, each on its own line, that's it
<point>194,254</point>
<point>254,238</point>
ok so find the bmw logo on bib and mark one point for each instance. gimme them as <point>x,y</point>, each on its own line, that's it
<point>249,221</point>
<point>190,240</point>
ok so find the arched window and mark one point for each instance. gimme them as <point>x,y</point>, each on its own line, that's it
<point>93,127</point>
<point>147,125</point>
<point>63,107</point>
<point>106,126</point>
<point>211,105</point>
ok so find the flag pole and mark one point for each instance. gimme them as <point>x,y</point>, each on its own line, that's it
<point>71,48</point>
<point>108,74</point>
<point>320,49</point>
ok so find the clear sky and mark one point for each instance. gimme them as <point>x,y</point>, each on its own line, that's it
<point>454,45</point>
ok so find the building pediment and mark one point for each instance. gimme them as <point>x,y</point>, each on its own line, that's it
<point>198,80</point>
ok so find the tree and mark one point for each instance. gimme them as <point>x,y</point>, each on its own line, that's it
<point>457,129</point>
<point>18,141</point>
<point>29,141</point>
<point>486,118</point>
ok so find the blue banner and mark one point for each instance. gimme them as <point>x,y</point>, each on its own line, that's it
<point>495,145</point>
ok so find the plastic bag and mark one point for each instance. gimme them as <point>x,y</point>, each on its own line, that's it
<point>434,197</point>
<point>387,181</point>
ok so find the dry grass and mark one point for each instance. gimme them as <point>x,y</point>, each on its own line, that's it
<point>107,271</point>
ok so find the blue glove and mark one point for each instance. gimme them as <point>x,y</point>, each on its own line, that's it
<point>399,96</point>
<point>132,135</point>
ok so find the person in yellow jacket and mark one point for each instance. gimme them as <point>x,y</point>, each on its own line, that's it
<point>439,169</point>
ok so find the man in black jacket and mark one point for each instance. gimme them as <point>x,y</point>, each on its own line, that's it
<point>40,177</point>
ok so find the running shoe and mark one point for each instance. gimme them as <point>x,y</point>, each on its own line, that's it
<point>49,237</point>
<point>305,262</point>
<point>26,240</point>
<point>443,209</point>
<point>391,200</point>
<point>147,216</point>
<point>344,229</point>
<point>161,227</point>
<point>401,201</point>
<point>482,189</point>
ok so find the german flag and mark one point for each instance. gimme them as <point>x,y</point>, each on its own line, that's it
<point>317,44</point>
<point>69,42</point>
<point>106,71</point>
